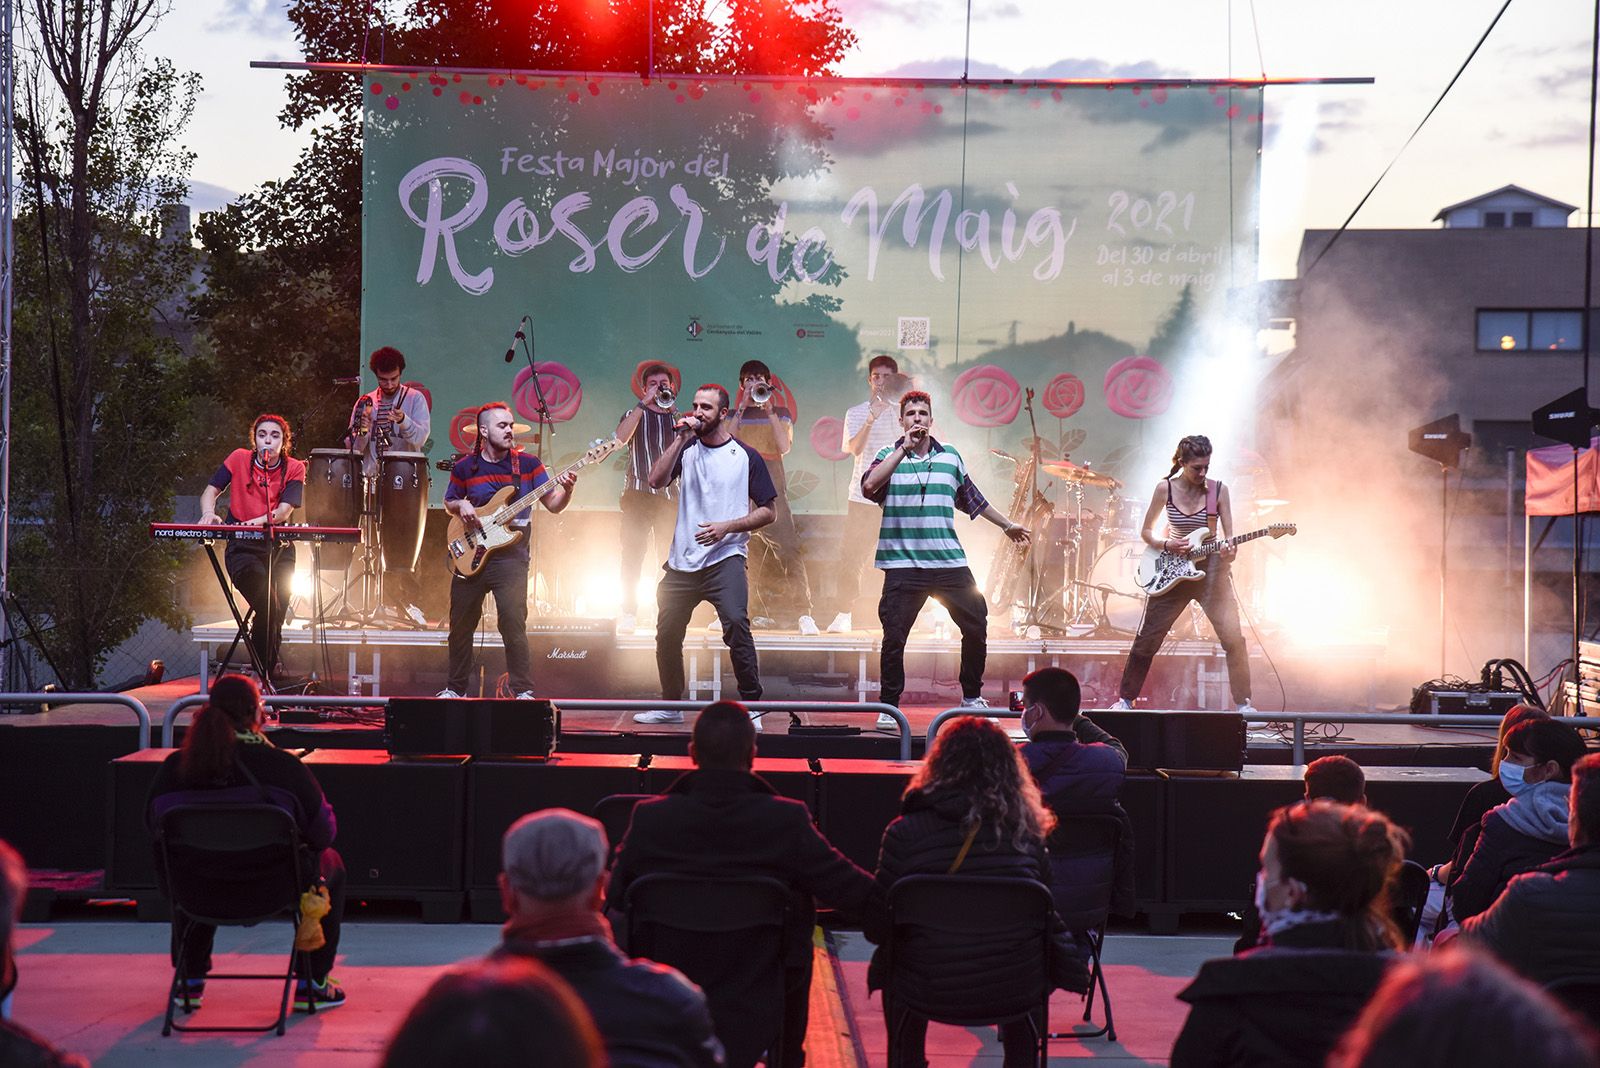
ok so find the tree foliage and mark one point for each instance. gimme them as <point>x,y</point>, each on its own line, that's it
<point>104,412</point>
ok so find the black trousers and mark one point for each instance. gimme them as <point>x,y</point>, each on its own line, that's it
<point>319,962</point>
<point>677,596</point>
<point>1017,1039</point>
<point>505,576</point>
<point>247,570</point>
<point>1216,597</point>
<point>644,515</point>
<point>905,591</point>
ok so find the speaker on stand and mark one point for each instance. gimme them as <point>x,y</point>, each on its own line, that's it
<point>1442,441</point>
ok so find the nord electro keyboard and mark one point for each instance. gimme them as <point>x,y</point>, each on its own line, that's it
<point>244,532</point>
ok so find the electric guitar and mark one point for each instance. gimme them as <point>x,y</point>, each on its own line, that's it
<point>1161,571</point>
<point>470,549</point>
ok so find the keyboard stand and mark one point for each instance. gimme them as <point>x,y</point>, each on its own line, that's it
<point>242,635</point>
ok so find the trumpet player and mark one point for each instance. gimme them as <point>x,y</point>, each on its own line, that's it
<point>768,427</point>
<point>646,512</point>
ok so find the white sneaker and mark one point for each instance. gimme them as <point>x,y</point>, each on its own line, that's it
<point>447,692</point>
<point>973,702</point>
<point>414,614</point>
<point>660,715</point>
<point>627,623</point>
<point>1246,709</point>
<point>841,624</point>
<point>526,695</point>
<point>887,722</point>
<point>715,626</point>
<point>808,626</point>
<point>755,721</point>
<point>1120,705</point>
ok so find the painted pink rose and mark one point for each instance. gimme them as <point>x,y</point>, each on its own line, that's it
<point>827,437</point>
<point>464,430</point>
<point>987,396</point>
<point>427,394</point>
<point>563,392</point>
<point>1138,388</point>
<point>1064,395</point>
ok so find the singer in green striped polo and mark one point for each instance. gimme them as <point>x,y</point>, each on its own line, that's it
<point>920,484</point>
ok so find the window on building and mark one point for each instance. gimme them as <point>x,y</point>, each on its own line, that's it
<point>1522,218</point>
<point>1494,220</point>
<point>1530,330</point>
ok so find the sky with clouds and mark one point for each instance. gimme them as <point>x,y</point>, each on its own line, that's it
<point>1518,115</point>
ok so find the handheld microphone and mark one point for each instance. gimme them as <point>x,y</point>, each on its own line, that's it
<point>511,353</point>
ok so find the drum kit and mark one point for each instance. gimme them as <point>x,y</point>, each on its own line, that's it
<point>390,507</point>
<point>1101,550</point>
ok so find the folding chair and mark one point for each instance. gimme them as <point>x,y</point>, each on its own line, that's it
<point>999,913</point>
<point>1409,902</point>
<point>230,865</point>
<point>1091,841</point>
<point>728,936</point>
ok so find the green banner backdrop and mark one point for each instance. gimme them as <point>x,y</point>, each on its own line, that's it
<point>993,238</point>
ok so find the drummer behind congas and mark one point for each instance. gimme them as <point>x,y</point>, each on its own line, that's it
<point>1186,498</point>
<point>392,418</point>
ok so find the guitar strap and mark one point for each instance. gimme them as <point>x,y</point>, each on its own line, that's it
<point>1211,506</point>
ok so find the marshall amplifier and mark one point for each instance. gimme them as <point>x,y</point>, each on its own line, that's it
<point>571,656</point>
<point>470,726</point>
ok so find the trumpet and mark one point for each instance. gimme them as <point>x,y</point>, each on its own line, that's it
<point>760,394</point>
<point>664,399</point>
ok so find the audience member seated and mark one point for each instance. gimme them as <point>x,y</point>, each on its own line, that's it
<point>552,886</point>
<point>226,759</point>
<point>1480,799</point>
<point>1529,829</point>
<point>19,1046</point>
<point>510,1012</point>
<point>971,809</point>
<point>1329,778</point>
<point>1322,894</point>
<point>1545,924</point>
<point>1459,1008</point>
<point>1079,769</point>
<point>721,819</point>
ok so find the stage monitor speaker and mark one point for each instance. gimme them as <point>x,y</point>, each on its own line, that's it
<point>571,655</point>
<point>1177,741</point>
<point>1441,441</point>
<point>1567,419</point>
<point>471,726</point>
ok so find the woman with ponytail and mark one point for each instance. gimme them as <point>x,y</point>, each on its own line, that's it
<point>1188,501</point>
<point>226,759</point>
<point>1324,897</point>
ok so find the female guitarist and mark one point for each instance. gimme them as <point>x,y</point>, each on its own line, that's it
<point>1189,500</point>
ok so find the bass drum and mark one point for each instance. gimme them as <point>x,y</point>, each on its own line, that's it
<point>402,508</point>
<point>333,499</point>
<point>1115,577</point>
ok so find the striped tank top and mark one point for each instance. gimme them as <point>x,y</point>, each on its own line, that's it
<point>1179,522</point>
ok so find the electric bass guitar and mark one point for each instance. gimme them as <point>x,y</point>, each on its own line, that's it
<point>470,549</point>
<point>1160,571</point>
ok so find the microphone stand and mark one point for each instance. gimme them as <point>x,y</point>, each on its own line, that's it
<point>546,427</point>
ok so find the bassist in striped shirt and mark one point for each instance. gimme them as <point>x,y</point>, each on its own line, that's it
<point>920,483</point>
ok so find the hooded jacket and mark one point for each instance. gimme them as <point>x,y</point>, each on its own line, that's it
<point>1544,924</point>
<point>1517,836</point>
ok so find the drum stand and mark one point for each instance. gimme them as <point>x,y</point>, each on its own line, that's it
<point>363,608</point>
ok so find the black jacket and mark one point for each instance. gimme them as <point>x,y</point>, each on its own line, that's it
<point>1545,923</point>
<point>648,1015</point>
<point>1518,836</point>
<point>1081,771</point>
<point>284,781</point>
<point>1276,1005</point>
<point>925,840</point>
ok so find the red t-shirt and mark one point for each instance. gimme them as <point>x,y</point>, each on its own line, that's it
<point>255,490</point>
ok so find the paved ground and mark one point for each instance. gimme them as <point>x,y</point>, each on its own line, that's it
<point>97,988</point>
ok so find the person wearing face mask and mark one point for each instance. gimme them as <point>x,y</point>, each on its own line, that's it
<point>1079,769</point>
<point>1529,829</point>
<point>264,486</point>
<point>1324,895</point>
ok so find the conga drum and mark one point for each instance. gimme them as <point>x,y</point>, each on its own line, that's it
<point>333,499</point>
<point>402,508</point>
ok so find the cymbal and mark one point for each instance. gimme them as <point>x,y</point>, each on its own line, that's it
<point>1067,471</point>
<point>516,428</point>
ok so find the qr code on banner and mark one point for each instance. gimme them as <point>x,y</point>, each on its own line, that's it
<point>913,333</point>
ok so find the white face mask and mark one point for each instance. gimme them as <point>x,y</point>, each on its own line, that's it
<point>1512,777</point>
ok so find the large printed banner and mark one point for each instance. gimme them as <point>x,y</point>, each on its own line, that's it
<point>994,239</point>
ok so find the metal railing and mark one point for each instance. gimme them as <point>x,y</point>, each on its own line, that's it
<point>576,704</point>
<point>122,699</point>
<point>1299,720</point>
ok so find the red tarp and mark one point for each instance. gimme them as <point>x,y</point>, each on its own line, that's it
<point>1550,479</point>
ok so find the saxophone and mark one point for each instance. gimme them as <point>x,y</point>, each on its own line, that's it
<point>1010,562</point>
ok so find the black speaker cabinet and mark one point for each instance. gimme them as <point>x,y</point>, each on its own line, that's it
<point>1214,831</point>
<point>859,799</point>
<point>130,853</point>
<point>500,792</point>
<point>1177,741</point>
<point>401,825</point>
<point>1143,797</point>
<point>1423,801</point>
<point>471,726</point>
